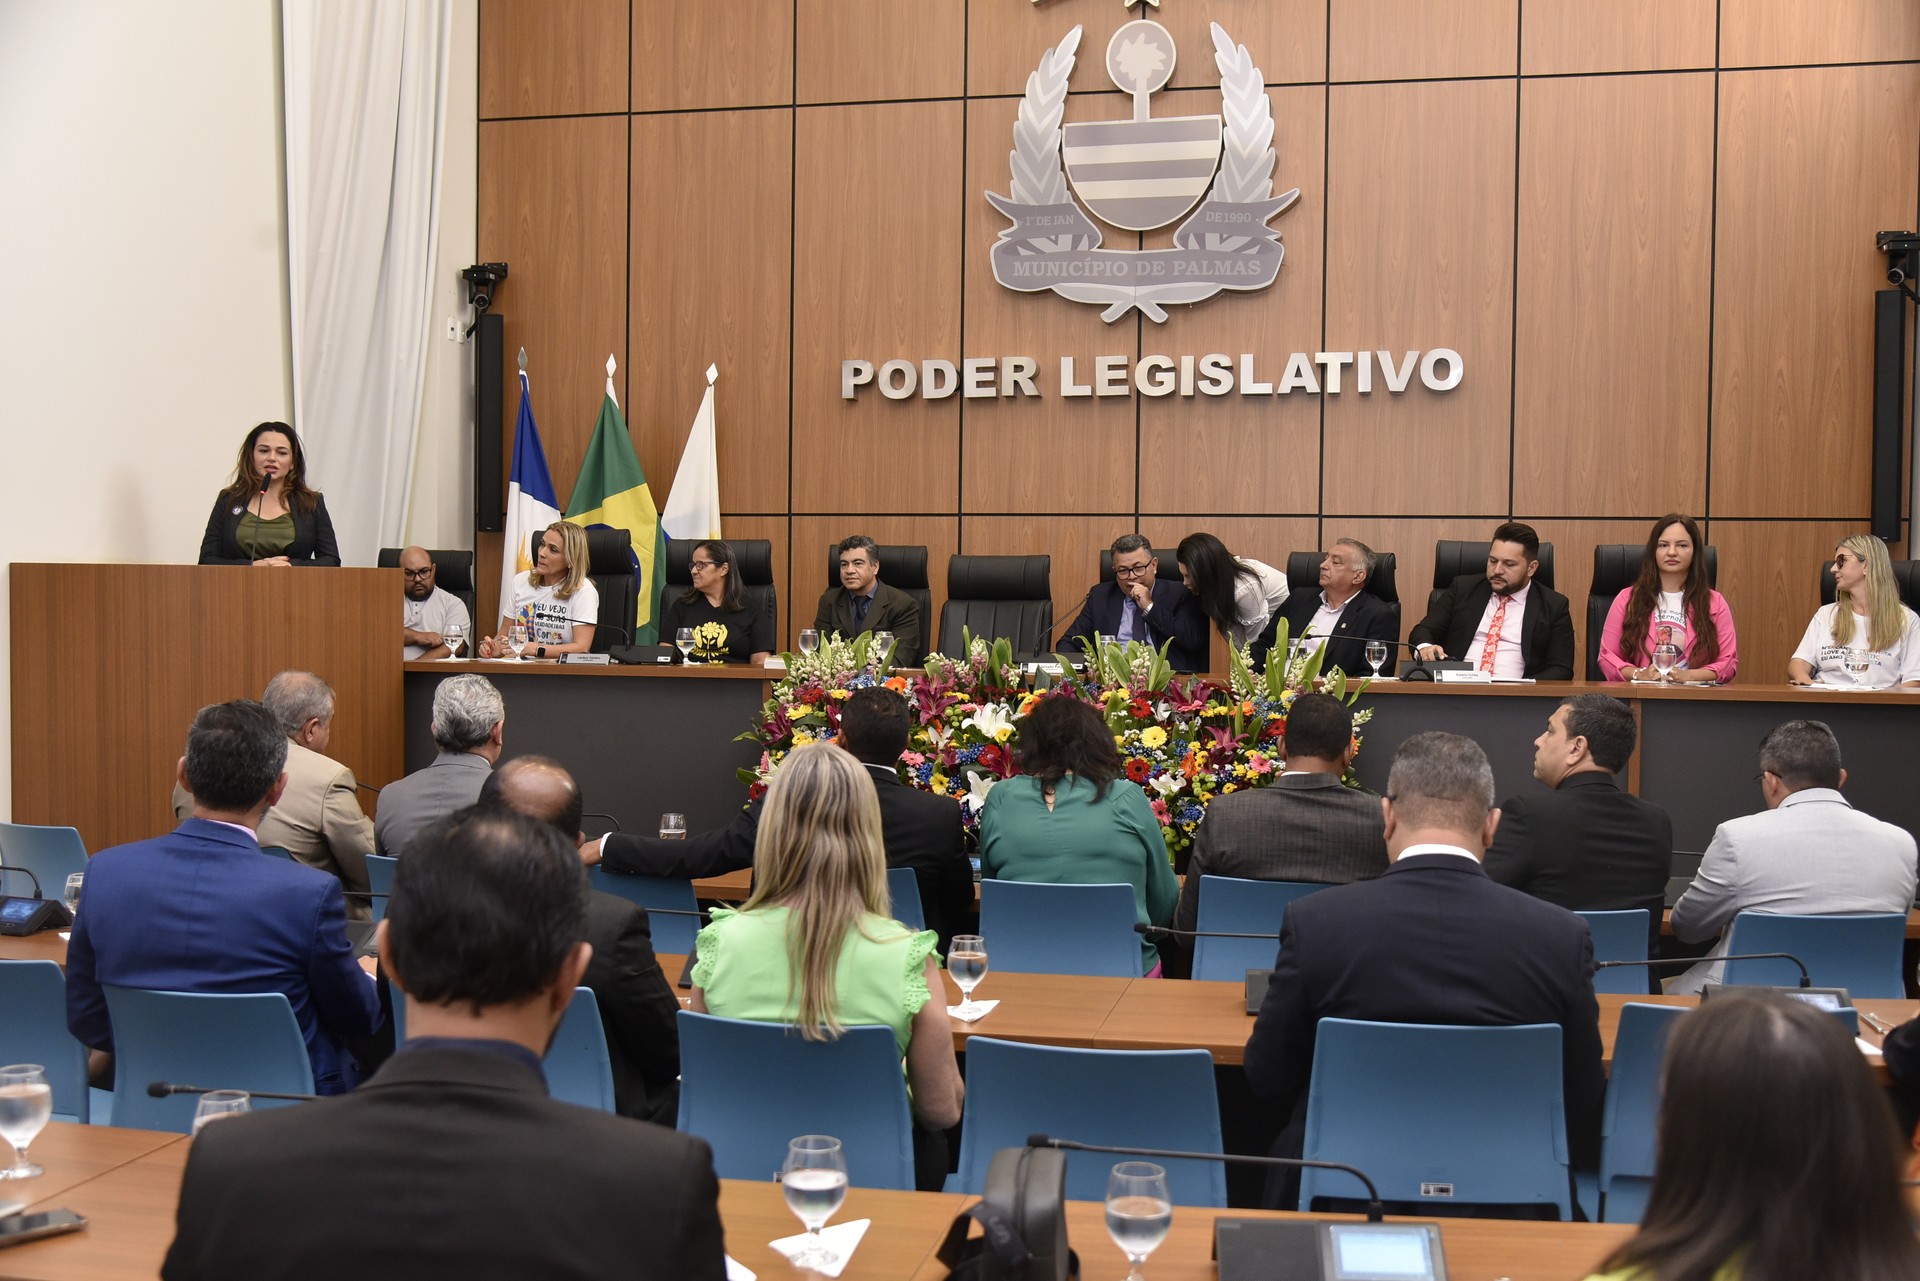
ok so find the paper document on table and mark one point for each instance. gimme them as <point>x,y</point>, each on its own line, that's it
<point>841,1238</point>
<point>979,1011</point>
<point>738,1271</point>
<point>1867,1047</point>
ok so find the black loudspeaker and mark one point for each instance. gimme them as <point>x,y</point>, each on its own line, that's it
<point>489,451</point>
<point>1889,404</point>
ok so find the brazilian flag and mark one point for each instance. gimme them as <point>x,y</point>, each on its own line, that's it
<point>612,491</point>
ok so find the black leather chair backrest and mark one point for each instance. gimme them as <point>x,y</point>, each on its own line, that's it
<point>610,566</point>
<point>1617,565</point>
<point>1906,577</point>
<point>1303,575</point>
<point>752,560</point>
<point>453,572</point>
<point>1168,557</point>
<point>994,596</point>
<point>1453,557</point>
<point>902,566</point>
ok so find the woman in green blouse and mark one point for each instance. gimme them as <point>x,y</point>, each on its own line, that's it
<point>268,515</point>
<point>1066,821</point>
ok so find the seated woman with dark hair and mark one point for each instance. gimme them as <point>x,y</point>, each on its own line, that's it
<point>1671,602</point>
<point>267,515</point>
<point>727,625</point>
<point>1779,1157</point>
<point>1070,818</point>
<point>1240,595</point>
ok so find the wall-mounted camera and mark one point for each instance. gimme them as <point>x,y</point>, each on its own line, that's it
<point>482,279</point>
<point>1901,248</point>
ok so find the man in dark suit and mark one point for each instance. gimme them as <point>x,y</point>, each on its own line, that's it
<point>1433,940</point>
<point>1529,623</point>
<point>922,831</point>
<point>638,1009</point>
<point>1138,605</point>
<point>1585,845</point>
<point>1346,616</point>
<point>469,727</point>
<point>862,603</point>
<point>452,1162</point>
<point>202,910</point>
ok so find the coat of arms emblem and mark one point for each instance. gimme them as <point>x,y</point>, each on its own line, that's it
<point>1141,174</point>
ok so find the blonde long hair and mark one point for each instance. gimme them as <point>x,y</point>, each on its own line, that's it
<point>819,854</point>
<point>1882,605</point>
<point>573,547</point>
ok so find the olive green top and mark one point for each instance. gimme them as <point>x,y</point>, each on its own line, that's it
<point>266,537</point>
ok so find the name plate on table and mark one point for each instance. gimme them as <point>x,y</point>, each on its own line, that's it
<point>587,660</point>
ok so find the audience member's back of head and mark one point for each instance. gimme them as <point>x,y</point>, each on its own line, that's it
<point>1778,1154</point>
<point>1607,725</point>
<point>296,697</point>
<point>1802,754</point>
<point>465,710</point>
<point>235,752</point>
<point>1440,781</point>
<point>486,907</point>
<point>540,788</point>
<point>874,725</point>
<point>1318,725</point>
<point>1063,736</point>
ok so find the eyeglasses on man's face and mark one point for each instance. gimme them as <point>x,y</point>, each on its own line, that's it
<point>1133,571</point>
<point>417,573</point>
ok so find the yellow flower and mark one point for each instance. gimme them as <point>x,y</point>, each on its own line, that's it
<point>1153,736</point>
<point>801,738</point>
<point>939,782</point>
<point>1229,787</point>
<point>840,695</point>
<point>1002,734</point>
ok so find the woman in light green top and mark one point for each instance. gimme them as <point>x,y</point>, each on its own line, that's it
<point>1779,1157</point>
<point>815,945</point>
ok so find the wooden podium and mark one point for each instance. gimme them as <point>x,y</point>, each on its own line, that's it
<point>110,662</point>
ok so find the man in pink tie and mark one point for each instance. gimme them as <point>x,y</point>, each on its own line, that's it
<point>1503,622</point>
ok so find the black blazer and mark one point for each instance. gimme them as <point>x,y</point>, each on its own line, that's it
<point>637,1007</point>
<point>1546,632</point>
<point>1365,618</point>
<point>892,611</point>
<point>1432,940</point>
<point>922,831</point>
<point>450,1163</point>
<point>312,535</point>
<point>1586,845</point>
<point>1175,616</point>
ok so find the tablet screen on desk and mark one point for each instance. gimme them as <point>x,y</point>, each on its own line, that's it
<point>1373,1252</point>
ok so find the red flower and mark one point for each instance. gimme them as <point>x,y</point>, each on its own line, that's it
<point>756,791</point>
<point>1137,770</point>
<point>1274,729</point>
<point>990,755</point>
<point>1140,707</point>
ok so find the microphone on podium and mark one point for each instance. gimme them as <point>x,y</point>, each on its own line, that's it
<point>1806,978</point>
<point>1374,1208</point>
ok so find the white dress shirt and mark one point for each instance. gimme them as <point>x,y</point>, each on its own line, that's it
<point>1508,661</point>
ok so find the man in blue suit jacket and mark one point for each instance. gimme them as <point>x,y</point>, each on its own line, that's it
<point>202,910</point>
<point>1137,606</point>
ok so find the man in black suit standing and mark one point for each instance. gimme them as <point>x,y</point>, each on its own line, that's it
<point>1344,615</point>
<point>1529,623</point>
<point>922,831</point>
<point>862,603</point>
<point>1586,845</point>
<point>1138,605</point>
<point>1432,940</point>
<point>452,1162</point>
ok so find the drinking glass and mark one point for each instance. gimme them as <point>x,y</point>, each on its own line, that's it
<point>882,645</point>
<point>814,1181</point>
<point>71,894</point>
<point>1666,655</point>
<point>1859,664</point>
<point>967,962</point>
<point>455,636</point>
<point>809,640</point>
<point>26,1105</point>
<point>517,639</point>
<point>218,1105</point>
<point>1139,1212</point>
<point>1376,655</point>
<point>683,641</point>
<point>673,827</point>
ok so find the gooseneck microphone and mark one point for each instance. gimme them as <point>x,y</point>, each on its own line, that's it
<point>1374,1208</point>
<point>165,1089</point>
<point>1141,927</point>
<point>266,479</point>
<point>37,891</point>
<point>1806,979</point>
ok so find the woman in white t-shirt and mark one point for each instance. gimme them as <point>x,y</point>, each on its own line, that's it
<point>1670,601</point>
<point>1866,619</point>
<point>1241,596</point>
<point>555,599</point>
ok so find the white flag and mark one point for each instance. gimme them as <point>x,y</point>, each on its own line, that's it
<point>693,508</point>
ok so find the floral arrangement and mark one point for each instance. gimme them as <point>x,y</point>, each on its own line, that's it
<point>1183,740</point>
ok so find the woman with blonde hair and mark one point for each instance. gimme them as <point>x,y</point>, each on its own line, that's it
<point>555,600</point>
<point>815,945</point>
<point>1866,623</point>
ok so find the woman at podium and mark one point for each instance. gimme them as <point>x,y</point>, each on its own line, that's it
<point>267,514</point>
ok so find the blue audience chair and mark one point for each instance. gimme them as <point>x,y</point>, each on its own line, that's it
<point>1032,928</point>
<point>1860,953</point>
<point>672,910</point>
<point>52,854</point>
<point>221,1040</point>
<point>1237,906</point>
<point>748,1088</point>
<point>577,1067</point>
<point>1447,1115</point>
<point>903,887</point>
<point>281,851</point>
<point>1632,1113</point>
<point>33,997</point>
<point>380,882</point>
<point>1121,1098</point>
<point>1620,936</point>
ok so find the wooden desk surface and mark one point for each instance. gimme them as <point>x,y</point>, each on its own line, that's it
<point>129,1208</point>
<point>907,1227</point>
<point>492,667</point>
<point>47,945</point>
<point>1040,1009</point>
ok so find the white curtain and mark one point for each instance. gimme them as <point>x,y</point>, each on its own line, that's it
<point>366,102</point>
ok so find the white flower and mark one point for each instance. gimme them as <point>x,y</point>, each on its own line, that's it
<point>978,786</point>
<point>991,719</point>
<point>1166,784</point>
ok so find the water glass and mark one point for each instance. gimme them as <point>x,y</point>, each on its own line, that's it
<point>1859,665</point>
<point>683,641</point>
<point>809,640</point>
<point>455,636</point>
<point>814,1181</point>
<point>673,827</point>
<point>26,1105</point>
<point>882,646</point>
<point>1666,656</point>
<point>967,963</point>
<point>218,1105</point>
<point>71,894</point>
<point>1376,655</point>
<point>1139,1212</point>
<point>517,639</point>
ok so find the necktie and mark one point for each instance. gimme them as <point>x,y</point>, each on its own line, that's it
<point>1493,635</point>
<point>860,604</point>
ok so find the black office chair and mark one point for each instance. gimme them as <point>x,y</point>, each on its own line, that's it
<point>610,564</point>
<point>453,572</point>
<point>1616,566</point>
<point>1906,577</point>
<point>1303,575</point>
<point>752,560</point>
<point>994,596</point>
<point>903,567</point>
<point>1453,557</point>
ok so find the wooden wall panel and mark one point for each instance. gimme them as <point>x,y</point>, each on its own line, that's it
<point>1420,255</point>
<point>1560,37</point>
<point>1812,163</point>
<point>1573,543</point>
<point>538,58</point>
<point>710,282</point>
<point>1072,541</point>
<point>862,50</point>
<point>1770,575</point>
<point>729,53</point>
<point>553,205</point>
<point>775,530</point>
<point>1615,279</point>
<point>1411,542</point>
<point>812,535</point>
<point>877,216</point>
<point>1764,33</point>
<point>1416,39</point>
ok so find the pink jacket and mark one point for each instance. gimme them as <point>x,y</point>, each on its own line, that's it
<point>1612,662</point>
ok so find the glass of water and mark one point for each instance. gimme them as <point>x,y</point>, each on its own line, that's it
<point>1376,655</point>
<point>455,636</point>
<point>517,639</point>
<point>882,646</point>
<point>673,827</point>
<point>26,1105</point>
<point>1859,665</point>
<point>1139,1212</point>
<point>1666,656</point>
<point>814,1181</point>
<point>967,962</point>
<point>218,1105</point>
<point>809,640</point>
<point>683,641</point>
<point>71,894</point>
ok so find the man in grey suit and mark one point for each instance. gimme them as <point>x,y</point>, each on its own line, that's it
<point>469,727</point>
<point>1305,826</point>
<point>1809,854</point>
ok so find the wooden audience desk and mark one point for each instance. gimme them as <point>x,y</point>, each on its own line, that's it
<point>47,945</point>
